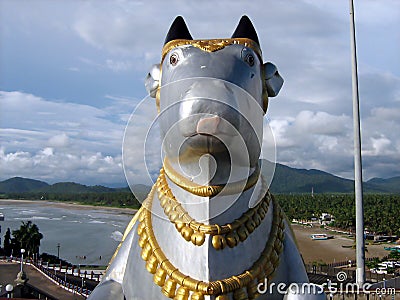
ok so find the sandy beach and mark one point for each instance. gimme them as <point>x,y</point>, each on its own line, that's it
<point>129,211</point>
<point>330,250</point>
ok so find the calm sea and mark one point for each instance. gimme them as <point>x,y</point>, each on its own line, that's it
<point>85,235</point>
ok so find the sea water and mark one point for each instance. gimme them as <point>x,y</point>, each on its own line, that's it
<point>86,236</point>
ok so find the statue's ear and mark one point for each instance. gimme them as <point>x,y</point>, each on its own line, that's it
<point>178,31</point>
<point>245,29</point>
<point>152,81</point>
<point>273,80</point>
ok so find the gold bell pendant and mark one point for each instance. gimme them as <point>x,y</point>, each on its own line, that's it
<point>169,288</point>
<point>243,233</point>
<point>143,239</point>
<point>159,277</point>
<point>179,225</point>
<point>250,225</point>
<point>232,239</point>
<point>198,238</point>
<point>141,228</point>
<point>257,219</point>
<point>197,296</point>
<point>218,242</point>
<point>182,294</point>
<point>151,264</point>
<point>146,251</point>
<point>222,297</point>
<point>187,232</point>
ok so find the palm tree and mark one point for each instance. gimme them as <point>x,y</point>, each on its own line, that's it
<point>28,237</point>
<point>7,242</point>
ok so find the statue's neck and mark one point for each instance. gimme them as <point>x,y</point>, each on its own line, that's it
<point>223,207</point>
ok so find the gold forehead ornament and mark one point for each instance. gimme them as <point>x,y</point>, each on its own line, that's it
<point>212,45</point>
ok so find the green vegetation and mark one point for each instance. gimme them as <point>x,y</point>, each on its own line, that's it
<point>373,264</point>
<point>26,237</point>
<point>381,211</point>
<point>114,199</point>
<point>394,255</point>
<point>28,189</point>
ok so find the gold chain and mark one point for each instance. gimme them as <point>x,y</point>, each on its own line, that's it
<point>177,285</point>
<point>222,235</point>
<point>210,190</point>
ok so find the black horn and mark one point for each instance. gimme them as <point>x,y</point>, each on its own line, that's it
<point>178,31</point>
<point>245,29</point>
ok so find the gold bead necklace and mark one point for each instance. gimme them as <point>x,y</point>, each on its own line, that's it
<point>210,190</point>
<point>177,285</point>
<point>230,234</point>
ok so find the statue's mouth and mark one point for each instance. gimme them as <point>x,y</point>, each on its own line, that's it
<point>213,126</point>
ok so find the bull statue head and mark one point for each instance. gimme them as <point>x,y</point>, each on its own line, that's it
<point>213,93</point>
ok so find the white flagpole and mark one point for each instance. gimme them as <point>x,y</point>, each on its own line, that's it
<point>360,244</point>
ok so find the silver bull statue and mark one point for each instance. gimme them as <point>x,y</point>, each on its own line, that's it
<point>209,229</point>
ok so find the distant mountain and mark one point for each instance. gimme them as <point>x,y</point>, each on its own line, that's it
<point>390,184</point>
<point>73,188</point>
<point>292,180</point>
<point>20,185</point>
<point>286,180</point>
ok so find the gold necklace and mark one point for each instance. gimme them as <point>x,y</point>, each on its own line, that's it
<point>210,190</point>
<point>179,286</point>
<point>222,235</point>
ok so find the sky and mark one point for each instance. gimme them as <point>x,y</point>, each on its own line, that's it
<point>72,72</point>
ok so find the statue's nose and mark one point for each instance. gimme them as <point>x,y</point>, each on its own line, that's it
<point>208,125</point>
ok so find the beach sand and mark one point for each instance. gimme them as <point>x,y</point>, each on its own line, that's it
<point>66,205</point>
<point>330,250</point>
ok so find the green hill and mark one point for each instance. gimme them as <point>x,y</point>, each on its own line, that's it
<point>390,184</point>
<point>73,188</point>
<point>19,184</point>
<point>292,180</point>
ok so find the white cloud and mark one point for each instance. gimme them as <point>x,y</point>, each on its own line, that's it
<point>48,151</point>
<point>53,166</point>
<point>59,140</point>
<point>118,66</point>
<point>65,141</point>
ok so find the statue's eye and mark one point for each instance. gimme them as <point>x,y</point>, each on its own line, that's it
<point>249,59</point>
<point>174,58</point>
<point>248,56</point>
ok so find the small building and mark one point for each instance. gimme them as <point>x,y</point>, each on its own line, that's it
<point>326,219</point>
<point>385,238</point>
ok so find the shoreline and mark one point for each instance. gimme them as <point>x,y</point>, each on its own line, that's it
<point>127,210</point>
<point>326,251</point>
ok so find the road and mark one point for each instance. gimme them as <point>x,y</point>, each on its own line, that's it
<point>8,273</point>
